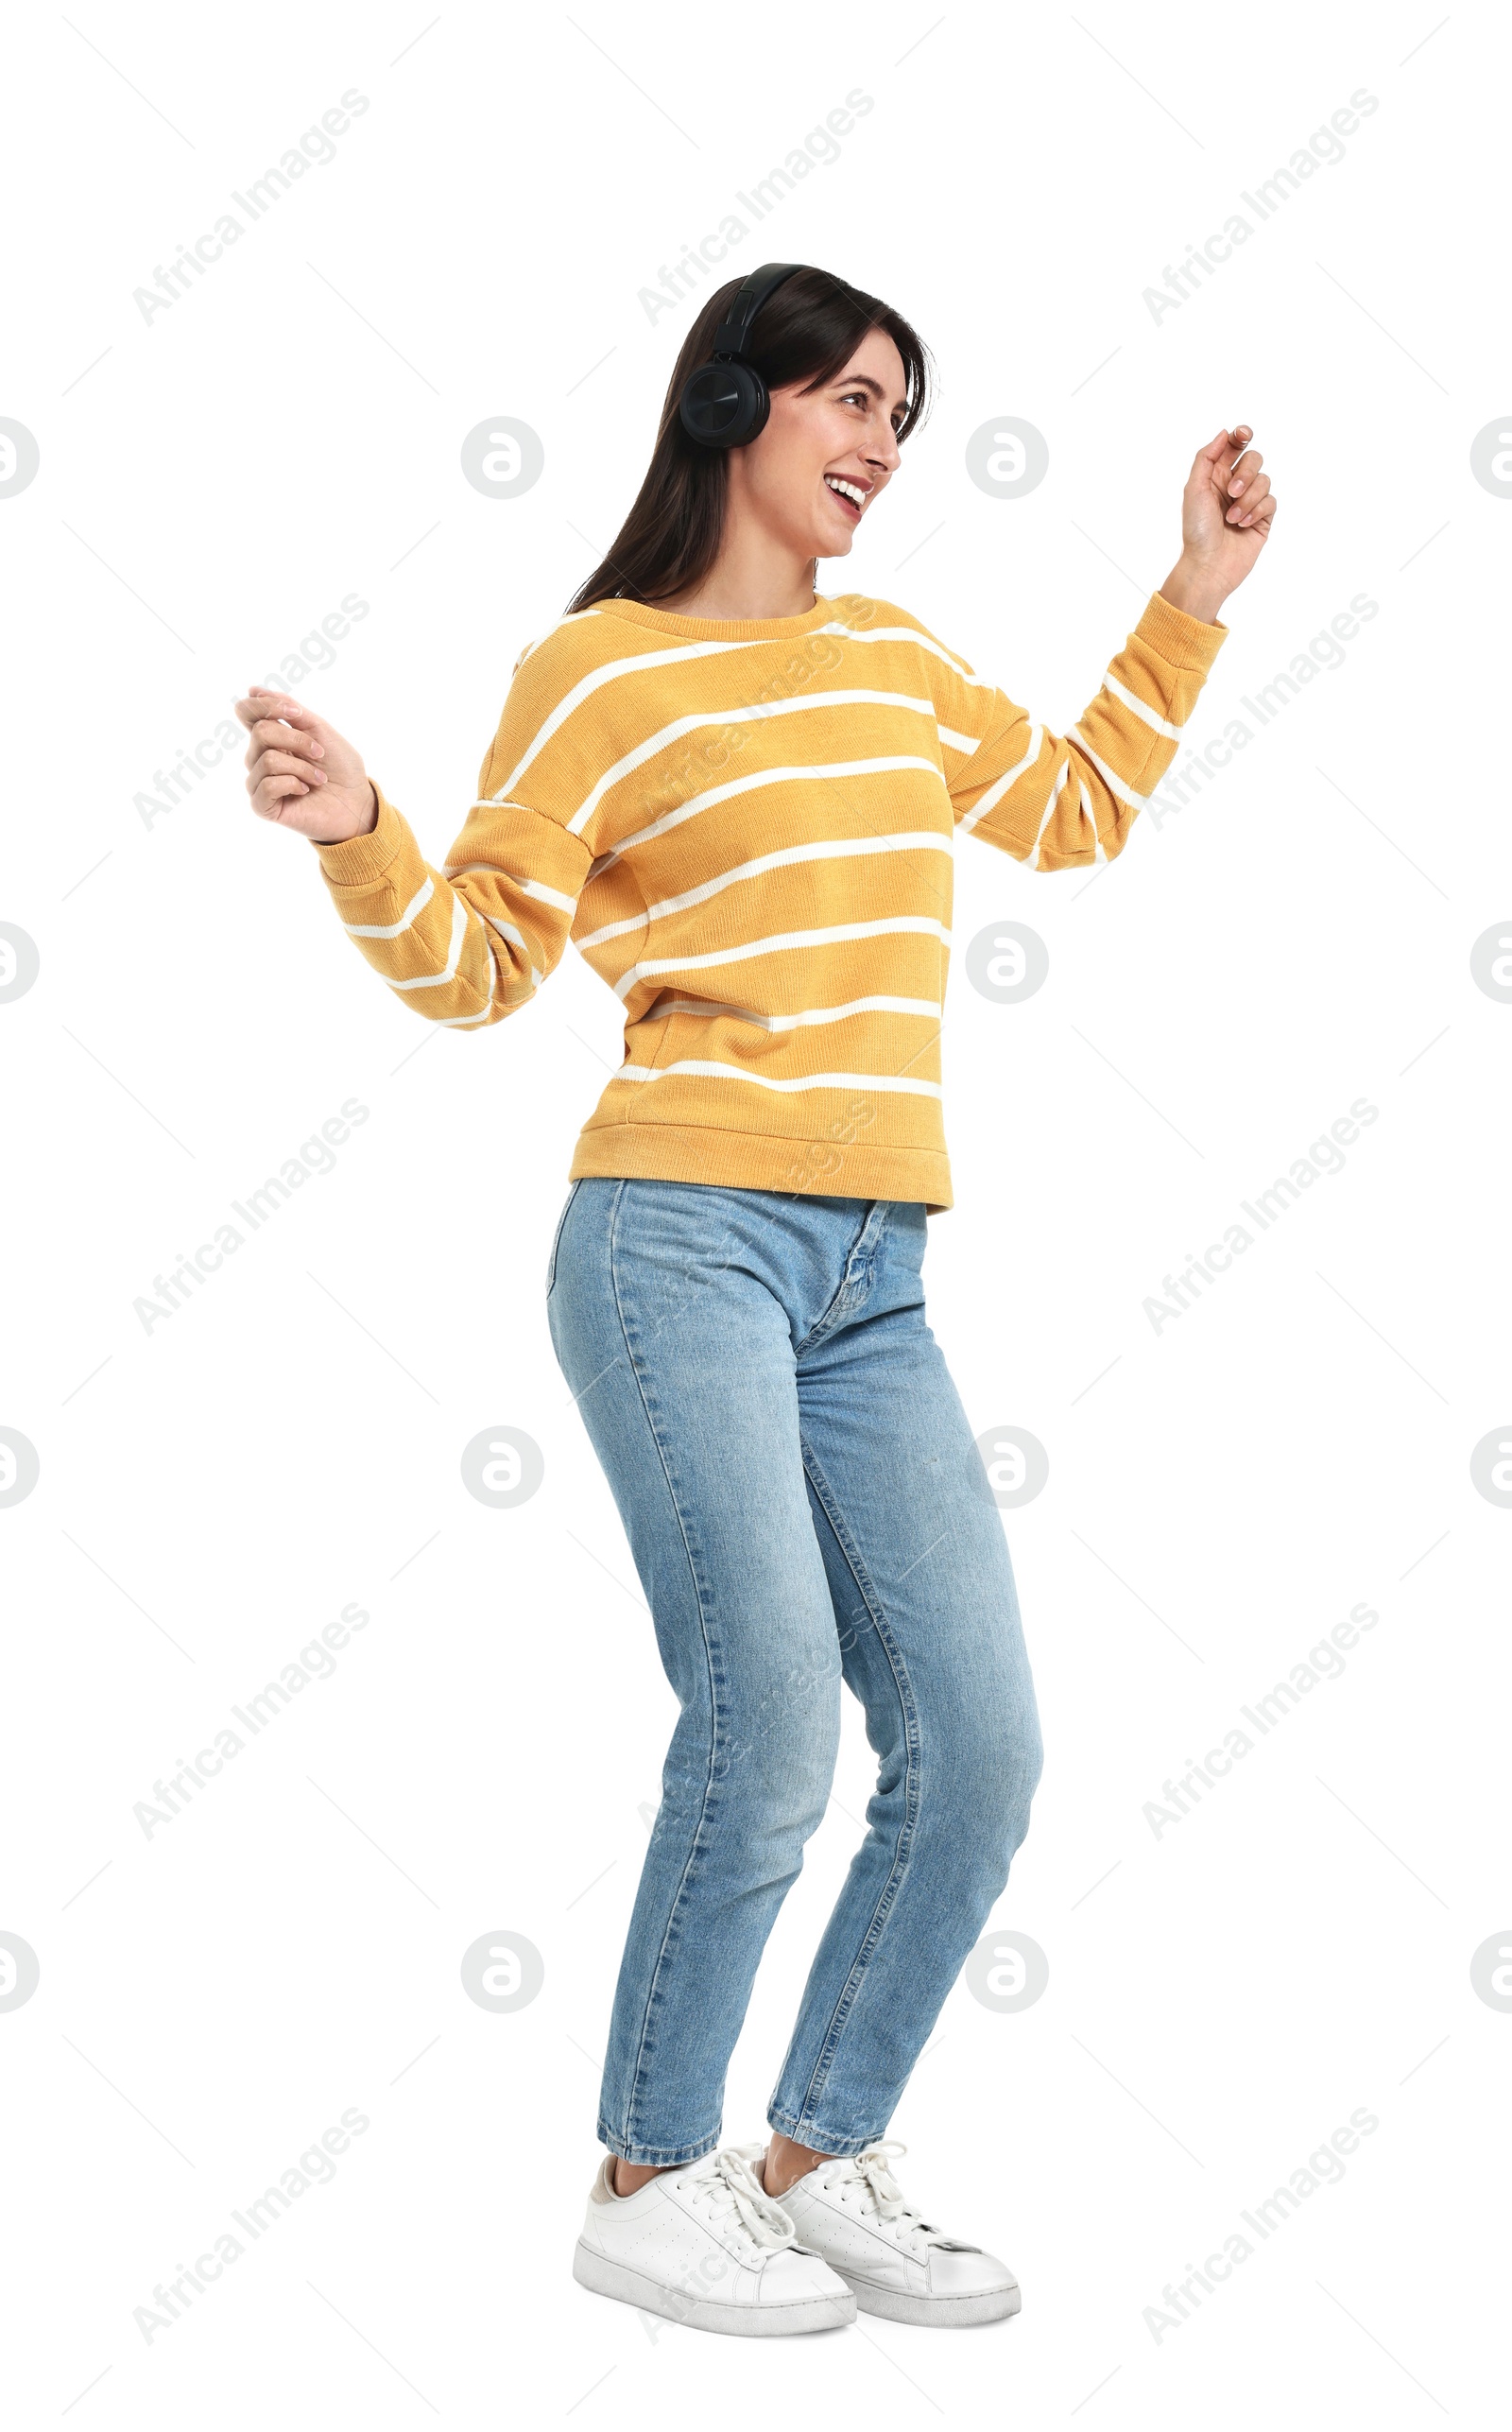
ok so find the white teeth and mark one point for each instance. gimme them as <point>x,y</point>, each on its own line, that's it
<point>846,489</point>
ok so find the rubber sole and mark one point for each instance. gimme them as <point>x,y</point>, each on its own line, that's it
<point>608,2278</point>
<point>938,2313</point>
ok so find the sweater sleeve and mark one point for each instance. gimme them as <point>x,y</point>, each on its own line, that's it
<point>1065,802</point>
<point>466,945</point>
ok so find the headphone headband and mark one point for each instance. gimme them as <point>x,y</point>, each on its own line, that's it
<point>734,330</point>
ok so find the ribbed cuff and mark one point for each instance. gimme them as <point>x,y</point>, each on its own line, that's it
<point>363,858</point>
<point>1183,640</point>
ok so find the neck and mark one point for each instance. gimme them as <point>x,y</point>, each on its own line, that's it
<point>755,575</point>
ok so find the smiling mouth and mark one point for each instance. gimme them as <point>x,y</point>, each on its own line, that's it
<point>849,494</point>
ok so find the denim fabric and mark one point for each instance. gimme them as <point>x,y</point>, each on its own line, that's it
<point>805,1504</point>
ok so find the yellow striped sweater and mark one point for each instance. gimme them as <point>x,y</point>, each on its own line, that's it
<point>747,829</point>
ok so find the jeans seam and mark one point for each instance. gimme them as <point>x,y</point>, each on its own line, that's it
<point>555,1238</point>
<point>713,1698</point>
<point>845,2001</point>
<point>850,1291</point>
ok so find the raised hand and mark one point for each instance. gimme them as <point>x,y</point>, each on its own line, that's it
<point>301,773</point>
<point>1227,510</point>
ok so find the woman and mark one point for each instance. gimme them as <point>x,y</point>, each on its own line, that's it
<point>739,797</point>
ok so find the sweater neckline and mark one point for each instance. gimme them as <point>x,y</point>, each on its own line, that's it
<point>716,629</point>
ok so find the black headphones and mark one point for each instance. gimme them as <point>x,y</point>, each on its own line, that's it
<point>725,403</point>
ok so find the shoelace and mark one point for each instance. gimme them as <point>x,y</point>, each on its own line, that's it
<point>886,2197</point>
<point>732,2182</point>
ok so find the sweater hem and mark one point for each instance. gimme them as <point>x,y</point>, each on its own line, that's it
<point>752,1160</point>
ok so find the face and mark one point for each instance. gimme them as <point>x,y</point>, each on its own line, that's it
<point>844,431</point>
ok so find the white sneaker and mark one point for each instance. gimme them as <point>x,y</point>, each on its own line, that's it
<point>707,2246</point>
<point>852,2211</point>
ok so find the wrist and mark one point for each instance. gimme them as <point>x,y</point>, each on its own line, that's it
<point>364,827</point>
<point>1193,591</point>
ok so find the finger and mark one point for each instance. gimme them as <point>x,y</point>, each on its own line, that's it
<point>1264,515</point>
<point>288,738</point>
<point>1225,443</point>
<point>1246,507</point>
<point>272,734</point>
<point>1242,471</point>
<point>271,791</point>
<point>261,702</point>
<point>274,763</point>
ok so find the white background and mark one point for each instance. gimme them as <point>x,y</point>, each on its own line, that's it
<point>213,1493</point>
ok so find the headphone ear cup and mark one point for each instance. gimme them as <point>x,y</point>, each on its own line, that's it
<point>724,405</point>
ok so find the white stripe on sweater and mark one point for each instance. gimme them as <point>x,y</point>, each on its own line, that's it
<point>1010,777</point>
<point>1142,709</point>
<point>1115,783</point>
<point>514,938</point>
<point>607,674</point>
<point>493,802</point>
<point>535,887</point>
<point>393,928</point>
<point>753,712</point>
<point>1091,815</point>
<point>710,1009</point>
<point>461,1021</point>
<point>1033,854</point>
<point>917,924</point>
<point>464,1020</point>
<point>830,849</point>
<point>675,652</point>
<point>598,677</point>
<point>712,1070</point>
<point>438,979</point>
<point>924,641</point>
<point>733,786</point>
<point>470,1021</point>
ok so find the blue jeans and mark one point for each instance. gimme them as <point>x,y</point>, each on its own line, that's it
<point>805,1504</point>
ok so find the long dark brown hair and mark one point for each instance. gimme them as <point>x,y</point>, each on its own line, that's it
<point>807,330</point>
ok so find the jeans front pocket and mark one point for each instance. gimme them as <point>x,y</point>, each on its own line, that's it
<point>555,1238</point>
